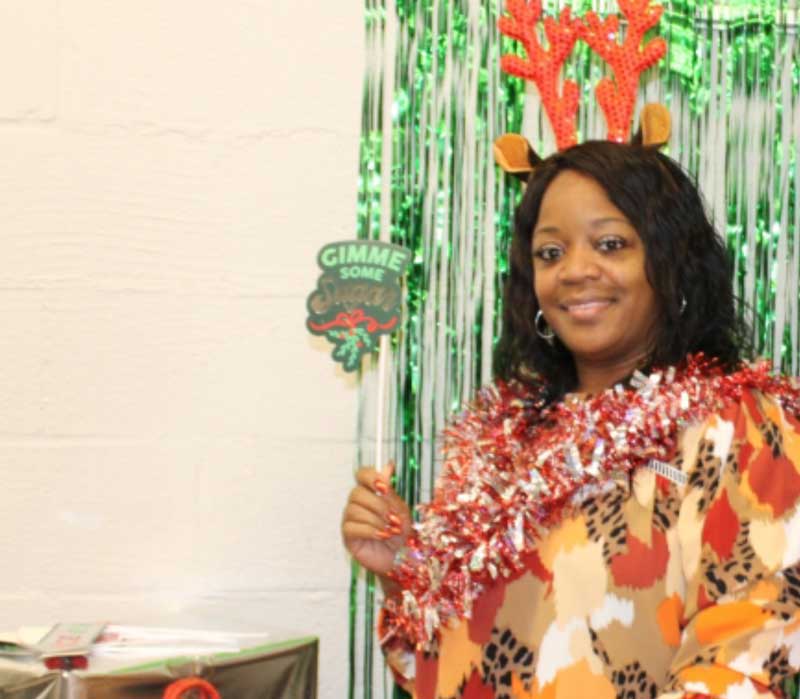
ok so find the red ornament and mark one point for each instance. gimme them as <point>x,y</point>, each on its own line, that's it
<point>191,686</point>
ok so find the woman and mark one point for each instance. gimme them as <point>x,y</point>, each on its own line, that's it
<point>597,532</point>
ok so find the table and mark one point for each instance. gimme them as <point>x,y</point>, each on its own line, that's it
<point>279,669</point>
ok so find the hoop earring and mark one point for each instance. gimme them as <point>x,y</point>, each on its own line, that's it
<point>683,304</point>
<point>545,333</point>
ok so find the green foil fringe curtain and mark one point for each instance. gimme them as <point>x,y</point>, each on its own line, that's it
<point>434,101</point>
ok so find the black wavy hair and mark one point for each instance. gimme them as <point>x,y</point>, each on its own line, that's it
<point>685,258</point>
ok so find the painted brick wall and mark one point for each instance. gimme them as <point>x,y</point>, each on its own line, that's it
<point>175,447</point>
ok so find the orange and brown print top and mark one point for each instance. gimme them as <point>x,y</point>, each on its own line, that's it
<point>683,581</point>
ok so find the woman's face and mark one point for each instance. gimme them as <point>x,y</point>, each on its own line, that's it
<point>589,273</point>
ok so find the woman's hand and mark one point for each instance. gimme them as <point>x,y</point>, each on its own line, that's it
<point>376,521</point>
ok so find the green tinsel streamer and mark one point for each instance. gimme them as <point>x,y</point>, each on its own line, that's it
<point>434,101</point>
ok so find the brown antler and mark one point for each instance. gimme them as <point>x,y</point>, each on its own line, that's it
<point>544,66</point>
<point>627,60</point>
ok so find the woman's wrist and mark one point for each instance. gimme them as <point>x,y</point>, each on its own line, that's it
<point>390,587</point>
<point>389,584</point>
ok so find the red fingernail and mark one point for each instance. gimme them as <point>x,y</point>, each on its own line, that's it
<point>393,519</point>
<point>383,535</point>
<point>380,487</point>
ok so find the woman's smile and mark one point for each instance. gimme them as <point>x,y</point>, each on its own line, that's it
<point>589,309</point>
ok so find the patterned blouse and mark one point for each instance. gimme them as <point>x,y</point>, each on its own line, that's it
<point>672,584</point>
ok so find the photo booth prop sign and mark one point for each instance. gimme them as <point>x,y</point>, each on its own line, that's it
<point>358,296</point>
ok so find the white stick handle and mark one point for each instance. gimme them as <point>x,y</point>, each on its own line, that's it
<point>380,412</point>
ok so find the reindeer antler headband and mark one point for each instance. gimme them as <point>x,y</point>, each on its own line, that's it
<point>617,97</point>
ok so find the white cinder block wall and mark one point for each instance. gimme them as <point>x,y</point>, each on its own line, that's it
<point>173,445</point>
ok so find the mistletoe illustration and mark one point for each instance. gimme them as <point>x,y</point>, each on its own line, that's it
<point>351,339</point>
<point>351,345</point>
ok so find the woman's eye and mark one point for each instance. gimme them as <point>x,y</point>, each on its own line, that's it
<point>548,253</point>
<point>611,244</point>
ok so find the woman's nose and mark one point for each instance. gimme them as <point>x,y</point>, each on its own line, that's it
<point>578,263</point>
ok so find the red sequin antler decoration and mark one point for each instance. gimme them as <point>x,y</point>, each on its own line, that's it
<point>627,60</point>
<point>544,66</point>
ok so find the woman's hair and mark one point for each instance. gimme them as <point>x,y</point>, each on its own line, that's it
<point>685,258</point>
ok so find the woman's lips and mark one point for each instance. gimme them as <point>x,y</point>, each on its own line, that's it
<point>586,310</point>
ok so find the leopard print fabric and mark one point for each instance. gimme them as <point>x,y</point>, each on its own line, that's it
<point>662,590</point>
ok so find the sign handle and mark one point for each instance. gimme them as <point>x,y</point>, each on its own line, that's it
<point>380,413</point>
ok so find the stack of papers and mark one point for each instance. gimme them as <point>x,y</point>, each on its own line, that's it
<point>115,646</point>
<point>142,642</point>
<point>22,642</point>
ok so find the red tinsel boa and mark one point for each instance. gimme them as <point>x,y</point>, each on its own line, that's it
<point>514,465</point>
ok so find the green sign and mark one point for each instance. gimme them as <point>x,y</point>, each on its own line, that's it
<point>358,296</point>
